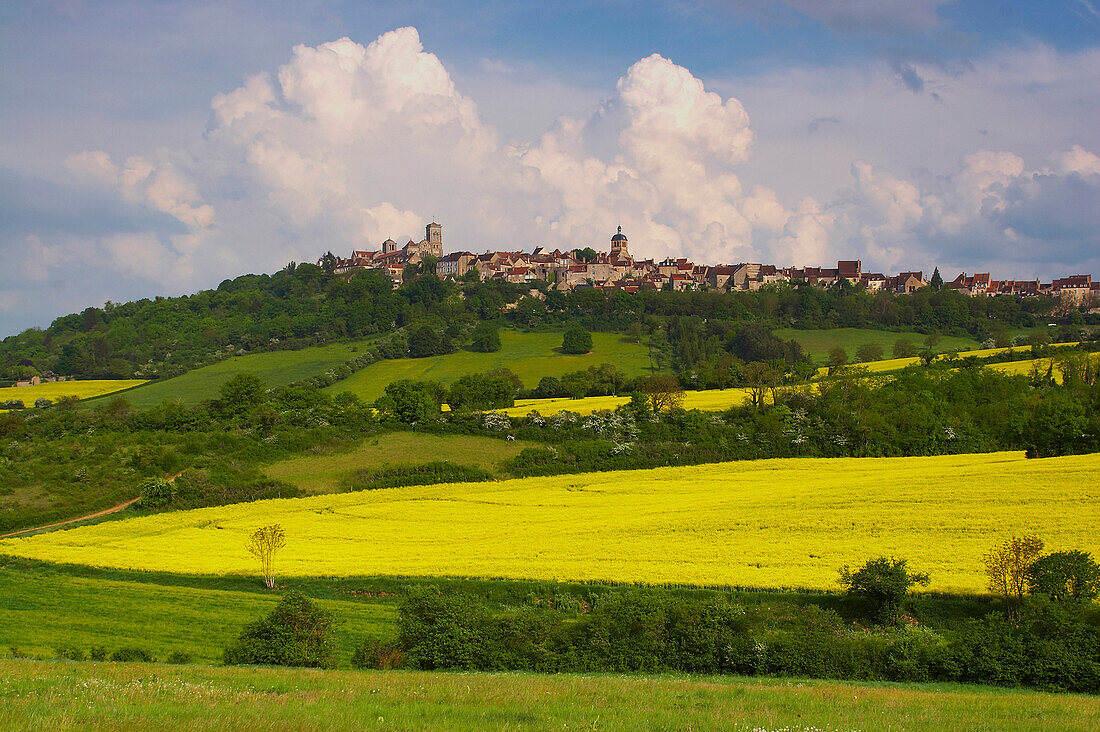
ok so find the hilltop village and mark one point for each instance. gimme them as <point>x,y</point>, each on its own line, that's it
<point>617,269</point>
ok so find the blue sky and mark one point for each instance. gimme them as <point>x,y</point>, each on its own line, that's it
<point>155,148</point>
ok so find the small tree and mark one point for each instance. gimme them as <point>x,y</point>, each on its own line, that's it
<point>242,393</point>
<point>937,280</point>
<point>297,633</point>
<point>486,338</point>
<point>263,544</point>
<point>838,356</point>
<point>869,352</point>
<point>576,340</point>
<point>1065,575</point>
<point>1006,567</point>
<point>904,348</point>
<point>881,584</point>
<point>663,391</point>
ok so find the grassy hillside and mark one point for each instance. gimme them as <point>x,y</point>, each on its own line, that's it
<point>323,472</point>
<point>817,343</point>
<point>530,355</point>
<point>768,524</point>
<point>276,368</point>
<point>154,697</point>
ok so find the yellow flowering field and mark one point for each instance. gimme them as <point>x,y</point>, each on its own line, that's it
<point>770,523</point>
<point>58,389</point>
<point>708,399</point>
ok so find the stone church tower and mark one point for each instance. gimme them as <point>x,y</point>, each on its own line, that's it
<point>433,240</point>
<point>618,246</point>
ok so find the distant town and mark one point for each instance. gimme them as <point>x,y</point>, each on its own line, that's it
<point>616,269</point>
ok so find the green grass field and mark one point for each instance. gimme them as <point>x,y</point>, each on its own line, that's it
<point>62,696</point>
<point>323,472</point>
<point>276,368</point>
<point>818,343</point>
<point>45,607</point>
<point>529,355</point>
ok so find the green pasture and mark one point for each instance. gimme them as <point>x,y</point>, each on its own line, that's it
<point>323,471</point>
<point>818,343</point>
<point>108,696</point>
<point>529,355</point>
<point>45,608</point>
<point>276,368</point>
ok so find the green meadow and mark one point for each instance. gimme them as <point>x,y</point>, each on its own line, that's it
<point>108,696</point>
<point>323,471</point>
<point>818,343</point>
<point>276,368</point>
<point>529,355</point>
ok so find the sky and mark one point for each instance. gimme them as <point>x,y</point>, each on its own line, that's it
<point>157,148</point>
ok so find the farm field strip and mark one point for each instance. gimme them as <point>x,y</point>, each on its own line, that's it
<point>769,524</point>
<point>57,389</point>
<point>818,342</point>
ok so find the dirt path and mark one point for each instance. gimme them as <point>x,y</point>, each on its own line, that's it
<point>97,514</point>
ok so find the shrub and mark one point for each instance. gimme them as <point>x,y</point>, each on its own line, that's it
<point>493,390</point>
<point>71,653</point>
<point>157,493</point>
<point>131,654</point>
<point>42,403</point>
<point>97,653</point>
<point>425,340</point>
<point>881,585</point>
<point>11,404</point>
<point>437,471</point>
<point>412,401</point>
<point>576,339</point>
<point>298,632</point>
<point>869,352</point>
<point>180,657</point>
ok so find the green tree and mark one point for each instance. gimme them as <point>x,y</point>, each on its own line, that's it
<point>486,338</point>
<point>838,356</point>
<point>869,352</point>
<point>410,401</point>
<point>1065,575</point>
<point>937,280</point>
<point>588,254</point>
<point>298,632</point>
<point>663,391</point>
<point>494,390</point>
<point>576,339</point>
<point>241,394</point>
<point>426,341</point>
<point>156,493</point>
<point>904,348</point>
<point>881,586</point>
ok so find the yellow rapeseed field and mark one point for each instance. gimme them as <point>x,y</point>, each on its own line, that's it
<point>770,523</point>
<point>56,390</point>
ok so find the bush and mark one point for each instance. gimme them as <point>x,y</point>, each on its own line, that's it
<point>180,657</point>
<point>71,653</point>
<point>880,585</point>
<point>493,390</point>
<point>298,632</point>
<point>576,339</point>
<point>410,401</point>
<point>11,404</point>
<point>97,653</point>
<point>437,471</point>
<point>869,352</point>
<point>130,654</point>
<point>157,493</point>
<point>425,340</point>
<point>42,403</point>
